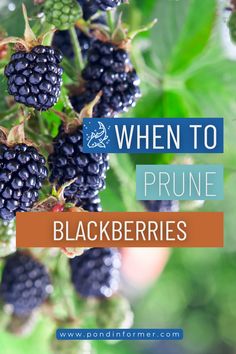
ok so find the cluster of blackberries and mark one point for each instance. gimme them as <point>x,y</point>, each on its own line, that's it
<point>96,272</point>
<point>108,70</point>
<point>68,162</point>
<point>161,205</point>
<point>25,283</point>
<point>23,170</point>
<point>35,77</point>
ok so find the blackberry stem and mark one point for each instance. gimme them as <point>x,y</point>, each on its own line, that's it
<point>41,123</point>
<point>77,50</point>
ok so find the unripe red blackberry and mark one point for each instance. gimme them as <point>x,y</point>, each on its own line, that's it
<point>35,77</point>
<point>161,205</point>
<point>108,70</point>
<point>96,273</point>
<point>3,48</point>
<point>3,51</point>
<point>23,171</point>
<point>68,162</point>
<point>25,283</point>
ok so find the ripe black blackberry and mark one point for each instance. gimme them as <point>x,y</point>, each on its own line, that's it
<point>90,7</point>
<point>161,205</point>
<point>22,172</point>
<point>25,283</point>
<point>91,204</point>
<point>108,70</point>
<point>68,162</point>
<point>96,272</point>
<point>35,77</point>
<point>105,5</point>
<point>61,40</point>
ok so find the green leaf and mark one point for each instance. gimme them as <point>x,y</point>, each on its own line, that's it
<point>212,88</point>
<point>195,34</point>
<point>183,31</point>
<point>111,197</point>
<point>125,172</point>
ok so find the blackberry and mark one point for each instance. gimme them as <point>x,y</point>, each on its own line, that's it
<point>35,77</point>
<point>108,70</point>
<point>22,171</point>
<point>62,13</point>
<point>105,5</point>
<point>25,283</point>
<point>92,204</point>
<point>96,272</point>
<point>68,162</point>
<point>61,40</point>
<point>89,8</point>
<point>161,205</point>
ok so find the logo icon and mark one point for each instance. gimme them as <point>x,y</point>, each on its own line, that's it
<point>97,138</point>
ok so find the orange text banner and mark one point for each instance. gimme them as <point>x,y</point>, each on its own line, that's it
<point>119,229</point>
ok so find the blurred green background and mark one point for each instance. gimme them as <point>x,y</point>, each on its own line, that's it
<point>188,69</point>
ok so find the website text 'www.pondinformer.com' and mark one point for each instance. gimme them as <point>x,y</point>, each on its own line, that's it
<point>119,334</point>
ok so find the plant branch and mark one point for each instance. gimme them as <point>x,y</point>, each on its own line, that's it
<point>77,50</point>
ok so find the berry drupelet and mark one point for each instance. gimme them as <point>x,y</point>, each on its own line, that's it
<point>35,77</point>
<point>22,171</point>
<point>161,205</point>
<point>96,272</point>
<point>108,70</point>
<point>68,162</point>
<point>25,283</point>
